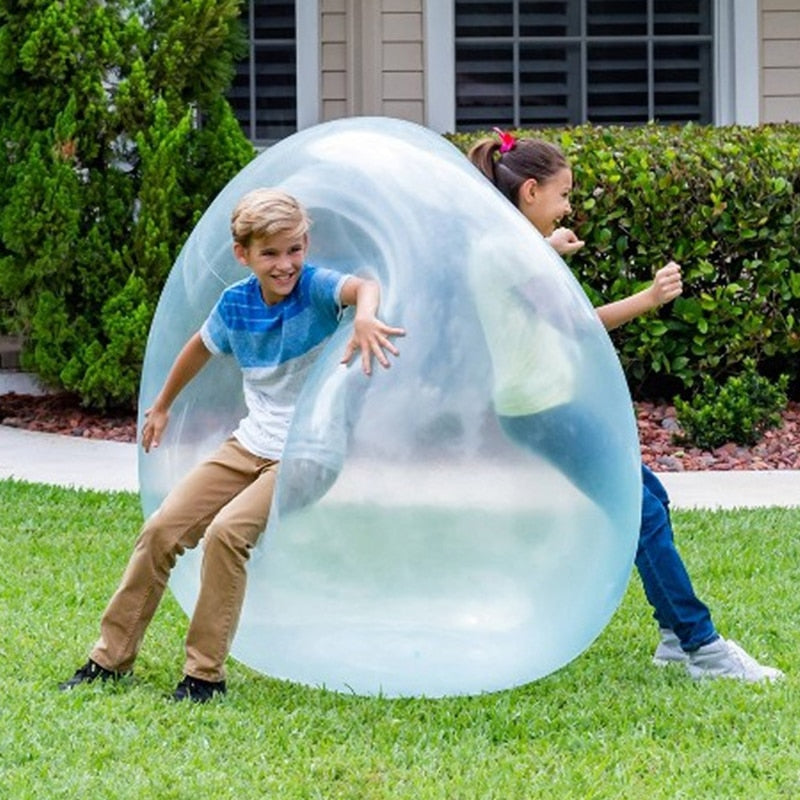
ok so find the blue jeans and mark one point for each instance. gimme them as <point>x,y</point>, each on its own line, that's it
<point>665,579</point>
<point>579,444</point>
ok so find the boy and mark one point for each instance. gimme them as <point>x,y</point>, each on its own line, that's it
<point>274,322</point>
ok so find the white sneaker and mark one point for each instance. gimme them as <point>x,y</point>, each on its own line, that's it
<point>669,650</point>
<point>723,658</point>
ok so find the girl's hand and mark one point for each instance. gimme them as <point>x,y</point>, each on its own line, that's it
<point>371,337</point>
<point>667,284</point>
<point>564,241</point>
<point>155,422</point>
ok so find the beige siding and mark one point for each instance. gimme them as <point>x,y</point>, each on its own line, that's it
<point>333,61</point>
<point>781,82</point>
<point>403,57</point>
<point>403,85</point>
<point>780,60</point>
<point>782,109</point>
<point>372,58</point>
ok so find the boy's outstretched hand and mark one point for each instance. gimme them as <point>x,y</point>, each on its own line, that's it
<point>371,337</point>
<point>667,284</point>
<point>153,428</point>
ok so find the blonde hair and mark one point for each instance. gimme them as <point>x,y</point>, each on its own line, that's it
<point>262,213</point>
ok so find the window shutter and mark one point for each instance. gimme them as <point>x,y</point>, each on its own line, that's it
<point>529,63</point>
<point>264,92</point>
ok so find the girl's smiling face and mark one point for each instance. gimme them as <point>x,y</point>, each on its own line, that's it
<point>276,261</point>
<point>546,203</point>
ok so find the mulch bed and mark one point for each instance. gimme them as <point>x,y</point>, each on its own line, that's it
<point>778,449</point>
<point>62,413</point>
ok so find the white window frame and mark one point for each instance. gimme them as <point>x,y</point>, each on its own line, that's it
<point>737,59</point>
<point>307,42</point>
<point>440,65</point>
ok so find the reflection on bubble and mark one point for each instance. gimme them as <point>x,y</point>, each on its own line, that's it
<point>462,522</point>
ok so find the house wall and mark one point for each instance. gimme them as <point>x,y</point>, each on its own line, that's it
<point>334,59</point>
<point>372,59</point>
<point>780,61</point>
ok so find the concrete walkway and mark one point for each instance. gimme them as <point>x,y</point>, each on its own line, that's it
<point>95,464</point>
<point>67,460</point>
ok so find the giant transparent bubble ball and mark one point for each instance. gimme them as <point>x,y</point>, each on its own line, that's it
<point>462,522</point>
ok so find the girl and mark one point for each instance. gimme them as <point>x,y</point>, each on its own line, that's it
<point>535,176</point>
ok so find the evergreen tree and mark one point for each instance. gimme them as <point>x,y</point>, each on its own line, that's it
<point>104,172</point>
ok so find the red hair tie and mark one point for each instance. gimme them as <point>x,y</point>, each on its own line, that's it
<point>507,140</point>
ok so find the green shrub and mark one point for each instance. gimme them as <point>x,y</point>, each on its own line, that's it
<point>116,137</point>
<point>738,411</point>
<point>722,201</point>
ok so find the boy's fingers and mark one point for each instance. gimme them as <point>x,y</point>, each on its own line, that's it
<point>348,352</point>
<point>366,361</point>
<point>384,343</point>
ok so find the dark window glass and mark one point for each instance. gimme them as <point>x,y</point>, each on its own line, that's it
<point>549,84</point>
<point>273,20</point>
<point>553,62</point>
<point>485,86</point>
<point>682,78</point>
<point>549,18</point>
<point>682,18</point>
<point>616,17</point>
<point>264,91</point>
<point>617,83</point>
<point>484,18</point>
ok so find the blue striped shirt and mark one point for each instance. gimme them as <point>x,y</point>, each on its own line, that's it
<point>275,346</point>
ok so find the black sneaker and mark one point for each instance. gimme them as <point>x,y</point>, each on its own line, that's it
<point>197,690</point>
<point>91,671</point>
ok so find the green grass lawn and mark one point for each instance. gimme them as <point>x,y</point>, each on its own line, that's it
<point>608,725</point>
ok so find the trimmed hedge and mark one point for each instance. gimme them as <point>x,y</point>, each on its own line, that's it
<point>723,202</point>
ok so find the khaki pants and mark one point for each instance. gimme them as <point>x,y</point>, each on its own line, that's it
<point>225,500</point>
